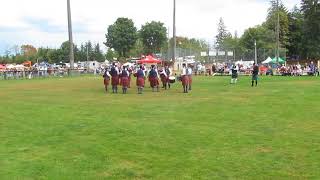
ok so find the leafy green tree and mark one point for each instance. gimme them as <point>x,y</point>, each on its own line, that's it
<point>265,39</point>
<point>55,56</point>
<point>111,54</point>
<point>122,36</point>
<point>153,36</point>
<point>42,54</point>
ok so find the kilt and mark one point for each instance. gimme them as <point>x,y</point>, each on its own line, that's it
<point>140,82</point>
<point>115,80</point>
<point>153,81</point>
<point>254,77</point>
<point>106,82</point>
<point>164,79</point>
<point>129,81</point>
<point>125,81</point>
<point>185,80</point>
<point>190,79</point>
<point>234,76</point>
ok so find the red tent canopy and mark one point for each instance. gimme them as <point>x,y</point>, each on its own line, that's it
<point>2,66</point>
<point>149,60</point>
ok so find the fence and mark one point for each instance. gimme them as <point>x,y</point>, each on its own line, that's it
<point>31,74</point>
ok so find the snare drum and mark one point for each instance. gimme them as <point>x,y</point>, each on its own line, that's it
<point>172,79</point>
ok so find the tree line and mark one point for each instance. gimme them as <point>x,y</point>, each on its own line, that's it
<point>299,33</point>
<point>84,52</point>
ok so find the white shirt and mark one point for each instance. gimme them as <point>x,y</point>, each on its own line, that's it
<point>189,71</point>
<point>170,72</point>
<point>183,72</point>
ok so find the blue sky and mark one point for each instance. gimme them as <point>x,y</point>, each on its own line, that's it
<point>44,23</point>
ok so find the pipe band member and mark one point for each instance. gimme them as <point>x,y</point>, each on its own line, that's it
<point>125,80</point>
<point>184,78</point>
<point>163,77</point>
<point>114,72</point>
<point>106,79</point>
<point>140,79</point>
<point>255,74</point>
<point>168,72</point>
<point>234,74</point>
<point>154,78</point>
<point>189,73</point>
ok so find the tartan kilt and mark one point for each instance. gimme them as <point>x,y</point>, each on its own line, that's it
<point>163,78</point>
<point>190,79</point>
<point>153,81</point>
<point>254,77</point>
<point>106,82</point>
<point>234,76</point>
<point>140,82</point>
<point>125,81</point>
<point>115,80</point>
<point>185,80</point>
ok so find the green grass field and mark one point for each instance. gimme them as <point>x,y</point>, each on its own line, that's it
<point>70,129</point>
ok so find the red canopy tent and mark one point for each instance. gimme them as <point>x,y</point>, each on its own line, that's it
<point>2,66</point>
<point>149,60</point>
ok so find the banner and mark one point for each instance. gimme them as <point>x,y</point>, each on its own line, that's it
<point>230,53</point>
<point>221,53</point>
<point>212,53</point>
<point>203,54</point>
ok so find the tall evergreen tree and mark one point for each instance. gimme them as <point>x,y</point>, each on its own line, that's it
<point>222,34</point>
<point>295,35</point>
<point>311,28</point>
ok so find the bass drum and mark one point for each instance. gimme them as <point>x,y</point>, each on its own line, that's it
<point>172,79</point>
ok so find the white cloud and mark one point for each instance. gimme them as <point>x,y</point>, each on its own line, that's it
<point>195,18</point>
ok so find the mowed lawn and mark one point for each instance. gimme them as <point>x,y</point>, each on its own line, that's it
<point>69,128</point>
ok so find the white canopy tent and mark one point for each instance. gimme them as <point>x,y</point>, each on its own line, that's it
<point>267,61</point>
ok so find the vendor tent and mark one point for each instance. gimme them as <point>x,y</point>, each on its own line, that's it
<point>267,61</point>
<point>2,66</point>
<point>149,60</point>
<point>280,60</point>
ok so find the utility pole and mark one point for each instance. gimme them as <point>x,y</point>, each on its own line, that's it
<point>255,52</point>
<point>278,32</point>
<point>71,55</point>
<point>208,51</point>
<point>88,56</point>
<point>174,32</point>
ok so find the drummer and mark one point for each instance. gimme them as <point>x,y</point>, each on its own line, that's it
<point>163,77</point>
<point>140,79</point>
<point>184,78</point>
<point>168,72</point>
<point>189,73</point>
<point>154,78</point>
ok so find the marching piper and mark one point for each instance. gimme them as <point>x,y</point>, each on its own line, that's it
<point>189,73</point>
<point>106,79</point>
<point>125,80</point>
<point>168,72</point>
<point>234,74</point>
<point>154,78</point>
<point>114,72</point>
<point>184,78</point>
<point>140,79</point>
<point>255,74</point>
